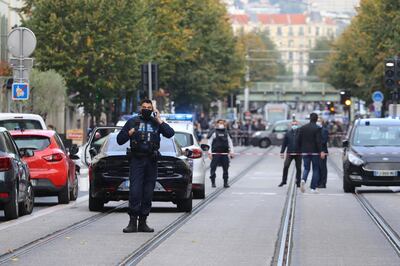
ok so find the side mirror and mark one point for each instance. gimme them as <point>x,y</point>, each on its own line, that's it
<point>345,143</point>
<point>74,149</point>
<point>27,152</point>
<point>188,153</point>
<point>204,147</point>
<point>92,152</point>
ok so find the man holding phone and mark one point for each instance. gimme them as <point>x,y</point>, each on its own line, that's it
<point>143,131</point>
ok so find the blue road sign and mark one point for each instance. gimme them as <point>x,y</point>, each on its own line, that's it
<point>377,96</point>
<point>20,91</point>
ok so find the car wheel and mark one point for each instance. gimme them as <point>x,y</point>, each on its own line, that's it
<point>63,195</point>
<point>95,204</point>
<point>348,187</point>
<point>26,207</point>
<point>199,194</point>
<point>185,205</point>
<point>75,189</point>
<point>11,207</point>
<point>264,143</point>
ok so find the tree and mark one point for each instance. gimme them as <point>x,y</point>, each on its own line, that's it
<point>318,56</point>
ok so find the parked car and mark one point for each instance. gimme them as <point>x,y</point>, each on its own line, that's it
<point>371,154</point>
<point>52,169</point>
<point>273,135</point>
<point>13,121</point>
<point>186,137</point>
<point>16,192</point>
<point>109,173</point>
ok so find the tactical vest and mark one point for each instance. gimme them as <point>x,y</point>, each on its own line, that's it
<point>220,142</point>
<point>146,139</point>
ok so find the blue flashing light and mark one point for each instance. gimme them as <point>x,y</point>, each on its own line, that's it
<point>178,117</point>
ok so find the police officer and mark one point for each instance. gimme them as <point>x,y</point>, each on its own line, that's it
<point>143,132</point>
<point>323,168</point>
<point>220,142</point>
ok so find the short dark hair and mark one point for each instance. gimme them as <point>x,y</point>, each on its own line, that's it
<point>220,120</point>
<point>313,117</point>
<point>146,101</point>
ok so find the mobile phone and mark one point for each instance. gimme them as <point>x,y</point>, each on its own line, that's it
<point>154,114</point>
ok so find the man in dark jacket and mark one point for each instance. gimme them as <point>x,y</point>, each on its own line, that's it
<point>291,145</point>
<point>143,132</point>
<point>311,149</point>
<point>323,169</point>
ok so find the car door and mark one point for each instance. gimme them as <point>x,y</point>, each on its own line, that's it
<point>23,171</point>
<point>278,133</point>
<point>71,164</point>
<point>96,140</point>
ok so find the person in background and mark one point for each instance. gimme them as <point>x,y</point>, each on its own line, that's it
<point>221,148</point>
<point>291,145</point>
<point>323,168</point>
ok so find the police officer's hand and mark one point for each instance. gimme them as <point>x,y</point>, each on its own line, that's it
<point>210,156</point>
<point>323,155</point>
<point>231,155</point>
<point>158,117</point>
<point>131,132</point>
<point>282,156</point>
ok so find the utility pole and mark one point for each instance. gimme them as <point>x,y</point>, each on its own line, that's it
<point>246,89</point>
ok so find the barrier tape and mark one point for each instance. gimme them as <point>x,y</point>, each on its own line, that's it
<point>303,154</point>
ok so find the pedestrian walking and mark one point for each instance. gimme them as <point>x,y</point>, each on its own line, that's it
<point>323,168</point>
<point>291,145</point>
<point>221,148</point>
<point>311,149</point>
<point>143,131</point>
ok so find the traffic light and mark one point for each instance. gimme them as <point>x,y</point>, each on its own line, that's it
<point>390,73</point>
<point>331,107</point>
<point>345,98</point>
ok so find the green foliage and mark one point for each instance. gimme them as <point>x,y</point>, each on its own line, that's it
<point>318,56</point>
<point>98,47</point>
<point>358,61</point>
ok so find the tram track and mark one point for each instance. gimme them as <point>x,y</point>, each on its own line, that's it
<point>389,233</point>
<point>284,242</point>
<point>29,247</point>
<point>137,255</point>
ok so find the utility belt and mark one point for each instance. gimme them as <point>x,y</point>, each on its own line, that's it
<point>141,155</point>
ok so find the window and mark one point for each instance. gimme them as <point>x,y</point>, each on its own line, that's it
<point>301,31</point>
<point>32,142</point>
<point>290,55</point>
<point>184,139</point>
<point>14,124</point>
<point>290,43</point>
<point>290,31</point>
<point>279,31</point>
<point>60,143</point>
<point>5,145</point>
<point>317,31</point>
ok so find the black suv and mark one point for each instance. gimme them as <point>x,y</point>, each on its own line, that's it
<point>16,193</point>
<point>372,154</point>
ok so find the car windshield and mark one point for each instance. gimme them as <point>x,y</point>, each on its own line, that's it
<point>111,145</point>
<point>184,139</point>
<point>16,124</point>
<point>32,142</point>
<point>380,135</point>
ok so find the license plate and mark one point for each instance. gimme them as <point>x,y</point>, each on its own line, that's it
<point>125,186</point>
<point>385,173</point>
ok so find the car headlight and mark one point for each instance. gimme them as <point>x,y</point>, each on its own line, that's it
<point>256,134</point>
<point>354,159</point>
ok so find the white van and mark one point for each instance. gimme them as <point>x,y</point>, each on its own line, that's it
<point>15,121</point>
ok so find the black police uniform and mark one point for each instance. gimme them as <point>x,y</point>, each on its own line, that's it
<point>290,142</point>
<point>220,144</point>
<point>144,143</point>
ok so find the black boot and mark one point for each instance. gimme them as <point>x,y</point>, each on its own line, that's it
<point>143,227</point>
<point>226,185</point>
<point>132,226</point>
<point>213,183</point>
<point>282,184</point>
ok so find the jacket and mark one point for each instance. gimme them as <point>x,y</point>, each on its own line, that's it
<point>310,138</point>
<point>290,142</point>
<point>324,139</point>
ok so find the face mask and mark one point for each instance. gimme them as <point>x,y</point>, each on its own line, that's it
<point>294,127</point>
<point>220,126</point>
<point>146,114</point>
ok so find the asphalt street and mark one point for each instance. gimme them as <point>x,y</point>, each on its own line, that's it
<point>238,227</point>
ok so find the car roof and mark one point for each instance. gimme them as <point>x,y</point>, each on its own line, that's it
<point>3,129</point>
<point>377,121</point>
<point>182,127</point>
<point>33,132</point>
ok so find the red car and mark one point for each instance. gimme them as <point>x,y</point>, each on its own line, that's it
<point>51,167</point>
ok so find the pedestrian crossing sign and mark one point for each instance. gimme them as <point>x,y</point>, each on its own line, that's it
<point>20,91</point>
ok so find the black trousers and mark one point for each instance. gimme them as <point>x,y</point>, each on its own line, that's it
<point>323,172</point>
<point>219,160</point>
<point>286,165</point>
<point>142,177</point>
